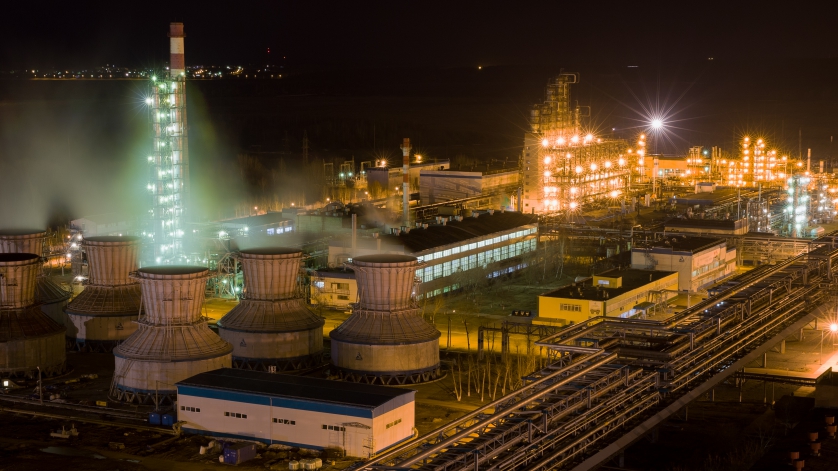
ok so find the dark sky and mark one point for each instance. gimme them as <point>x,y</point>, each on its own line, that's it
<point>451,33</point>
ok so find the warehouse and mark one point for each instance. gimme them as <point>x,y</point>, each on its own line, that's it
<point>360,419</point>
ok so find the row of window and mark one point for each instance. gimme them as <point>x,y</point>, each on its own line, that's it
<point>476,245</point>
<point>190,409</point>
<point>394,423</point>
<point>570,307</point>
<point>235,414</point>
<point>336,428</point>
<point>285,421</point>
<point>456,286</point>
<point>471,262</point>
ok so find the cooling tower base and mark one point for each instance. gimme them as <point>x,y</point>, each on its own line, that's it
<point>391,379</point>
<point>275,365</point>
<point>162,397</point>
<point>91,346</point>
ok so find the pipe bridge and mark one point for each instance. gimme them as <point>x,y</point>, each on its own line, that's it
<point>609,381</point>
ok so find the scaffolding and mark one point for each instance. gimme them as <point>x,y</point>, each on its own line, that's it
<point>564,165</point>
<point>168,167</point>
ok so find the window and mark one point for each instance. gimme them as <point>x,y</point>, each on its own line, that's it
<point>340,286</point>
<point>336,428</point>
<point>235,415</point>
<point>190,409</point>
<point>446,253</point>
<point>455,250</point>
<point>472,246</point>
<point>438,271</point>
<point>394,423</point>
<point>571,307</point>
<point>343,297</point>
<point>320,284</point>
<point>285,421</point>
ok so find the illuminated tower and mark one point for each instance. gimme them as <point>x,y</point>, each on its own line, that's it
<point>169,159</point>
<point>563,165</point>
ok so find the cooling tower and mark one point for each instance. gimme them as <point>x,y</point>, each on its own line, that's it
<point>51,297</point>
<point>29,339</point>
<point>386,340</point>
<point>172,341</point>
<point>271,329</point>
<point>105,313</point>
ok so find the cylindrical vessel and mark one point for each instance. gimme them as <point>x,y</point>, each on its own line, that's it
<point>52,297</point>
<point>110,259</point>
<point>30,340</point>
<point>18,273</point>
<point>270,273</point>
<point>385,282</point>
<point>392,344</point>
<point>172,341</point>
<point>271,329</point>
<point>172,295</point>
<point>104,314</point>
<point>22,241</point>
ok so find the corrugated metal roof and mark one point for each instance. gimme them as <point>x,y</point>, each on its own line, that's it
<point>295,387</point>
<point>454,231</point>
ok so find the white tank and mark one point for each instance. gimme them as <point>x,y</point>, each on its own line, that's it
<point>271,328</point>
<point>28,338</point>
<point>105,312</point>
<point>172,341</point>
<point>51,297</point>
<point>386,340</point>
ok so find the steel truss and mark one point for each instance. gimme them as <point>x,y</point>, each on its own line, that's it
<point>610,377</point>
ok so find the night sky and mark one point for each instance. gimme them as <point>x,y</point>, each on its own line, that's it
<point>65,34</point>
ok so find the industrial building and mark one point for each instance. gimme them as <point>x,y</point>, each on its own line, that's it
<point>172,342</point>
<point>613,293</point>
<point>714,227</point>
<point>333,288</point>
<point>360,419</point>
<point>51,297</point>
<point>105,312</point>
<point>383,178</point>
<point>699,261</point>
<point>108,224</point>
<point>386,340</point>
<point>498,179</point>
<point>453,249</point>
<point>31,344</point>
<point>271,329</point>
<point>565,165</point>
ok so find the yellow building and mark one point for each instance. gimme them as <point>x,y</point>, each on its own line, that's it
<point>613,293</point>
<point>333,288</point>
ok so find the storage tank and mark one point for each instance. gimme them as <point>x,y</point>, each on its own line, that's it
<point>272,329</point>
<point>29,339</point>
<point>172,341</point>
<point>105,312</point>
<point>386,340</point>
<point>51,297</point>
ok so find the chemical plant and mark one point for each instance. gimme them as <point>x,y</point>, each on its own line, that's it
<point>546,311</point>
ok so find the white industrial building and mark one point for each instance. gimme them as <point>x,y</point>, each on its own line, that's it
<point>699,261</point>
<point>360,419</point>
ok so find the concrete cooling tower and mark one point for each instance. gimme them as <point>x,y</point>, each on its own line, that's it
<point>105,313</point>
<point>271,329</point>
<point>386,340</point>
<point>172,342</point>
<point>29,339</point>
<point>51,297</point>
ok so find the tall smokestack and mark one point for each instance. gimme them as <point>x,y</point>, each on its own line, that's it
<point>406,182</point>
<point>177,64</point>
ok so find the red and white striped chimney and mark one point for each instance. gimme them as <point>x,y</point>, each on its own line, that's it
<point>177,63</point>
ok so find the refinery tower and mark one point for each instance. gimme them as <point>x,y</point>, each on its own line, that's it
<point>565,165</point>
<point>169,157</point>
